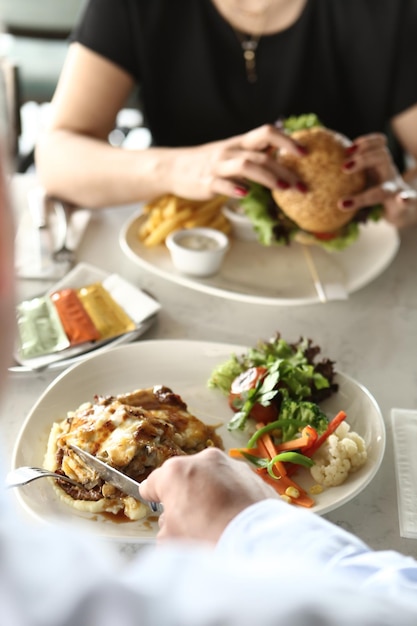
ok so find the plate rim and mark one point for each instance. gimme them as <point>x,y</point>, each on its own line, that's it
<point>162,344</point>
<point>195,284</point>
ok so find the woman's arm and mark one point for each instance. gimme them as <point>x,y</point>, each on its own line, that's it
<point>75,161</point>
<point>73,157</point>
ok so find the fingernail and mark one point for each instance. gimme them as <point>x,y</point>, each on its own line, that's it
<point>407,195</point>
<point>349,165</point>
<point>347,204</point>
<point>240,191</point>
<point>352,149</point>
<point>301,187</point>
<point>283,184</point>
<point>302,150</point>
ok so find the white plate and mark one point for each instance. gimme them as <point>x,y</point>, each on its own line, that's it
<point>81,275</point>
<point>275,275</point>
<point>185,366</point>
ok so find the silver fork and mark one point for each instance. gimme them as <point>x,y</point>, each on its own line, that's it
<point>24,475</point>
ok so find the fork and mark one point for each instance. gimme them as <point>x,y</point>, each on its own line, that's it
<point>24,475</point>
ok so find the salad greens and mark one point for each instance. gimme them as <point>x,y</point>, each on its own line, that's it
<point>294,381</point>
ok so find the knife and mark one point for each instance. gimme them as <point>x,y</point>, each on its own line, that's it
<point>116,478</point>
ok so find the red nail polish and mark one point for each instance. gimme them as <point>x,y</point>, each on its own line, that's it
<point>301,187</point>
<point>282,184</point>
<point>352,149</point>
<point>240,191</point>
<point>349,165</point>
<point>347,204</point>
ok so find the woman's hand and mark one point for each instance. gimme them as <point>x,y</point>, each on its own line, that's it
<point>387,186</point>
<point>224,167</point>
<point>202,493</point>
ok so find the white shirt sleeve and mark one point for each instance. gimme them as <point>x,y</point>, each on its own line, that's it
<point>274,564</point>
<point>272,527</point>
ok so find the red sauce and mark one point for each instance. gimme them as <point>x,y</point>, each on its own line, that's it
<point>77,324</point>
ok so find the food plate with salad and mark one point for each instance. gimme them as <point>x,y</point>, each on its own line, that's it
<point>191,369</point>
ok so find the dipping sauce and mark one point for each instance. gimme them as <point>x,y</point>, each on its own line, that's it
<point>197,251</point>
<point>107,316</point>
<point>39,328</point>
<point>198,242</point>
<point>74,318</point>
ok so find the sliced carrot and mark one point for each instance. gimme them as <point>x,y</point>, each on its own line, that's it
<point>294,444</point>
<point>335,422</point>
<point>238,453</point>
<point>281,485</point>
<point>267,448</point>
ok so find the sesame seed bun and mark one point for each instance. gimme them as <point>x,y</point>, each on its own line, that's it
<point>321,171</point>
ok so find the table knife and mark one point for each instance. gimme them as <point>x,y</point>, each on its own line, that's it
<point>116,478</point>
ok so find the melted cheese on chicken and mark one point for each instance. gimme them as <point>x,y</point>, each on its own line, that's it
<point>134,433</point>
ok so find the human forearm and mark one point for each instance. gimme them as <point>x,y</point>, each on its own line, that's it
<point>89,172</point>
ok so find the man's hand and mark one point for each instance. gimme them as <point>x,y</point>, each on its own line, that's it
<point>202,493</point>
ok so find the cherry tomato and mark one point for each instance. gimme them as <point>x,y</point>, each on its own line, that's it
<point>245,381</point>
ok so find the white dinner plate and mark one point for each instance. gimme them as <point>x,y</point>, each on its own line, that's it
<point>276,275</point>
<point>185,367</point>
<point>81,275</point>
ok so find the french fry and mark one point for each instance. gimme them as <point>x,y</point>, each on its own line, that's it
<point>221,223</point>
<point>169,212</point>
<point>159,234</point>
<point>152,204</point>
<point>203,215</point>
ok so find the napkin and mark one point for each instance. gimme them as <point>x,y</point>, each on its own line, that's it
<point>34,245</point>
<point>404,433</point>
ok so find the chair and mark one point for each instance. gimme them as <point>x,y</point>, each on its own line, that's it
<point>9,107</point>
<point>34,42</point>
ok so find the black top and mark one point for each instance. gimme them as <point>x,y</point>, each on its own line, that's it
<point>352,62</point>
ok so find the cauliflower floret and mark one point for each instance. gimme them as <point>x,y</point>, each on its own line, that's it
<point>343,453</point>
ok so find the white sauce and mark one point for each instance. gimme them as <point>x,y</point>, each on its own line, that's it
<point>198,242</point>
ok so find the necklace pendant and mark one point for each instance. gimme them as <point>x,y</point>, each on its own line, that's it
<point>249,46</point>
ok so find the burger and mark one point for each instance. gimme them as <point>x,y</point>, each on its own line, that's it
<point>283,215</point>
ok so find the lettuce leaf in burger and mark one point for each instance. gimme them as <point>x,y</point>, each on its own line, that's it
<point>282,215</point>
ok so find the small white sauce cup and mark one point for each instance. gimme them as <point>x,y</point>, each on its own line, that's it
<point>197,251</point>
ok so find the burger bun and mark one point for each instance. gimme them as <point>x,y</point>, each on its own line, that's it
<point>320,170</point>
